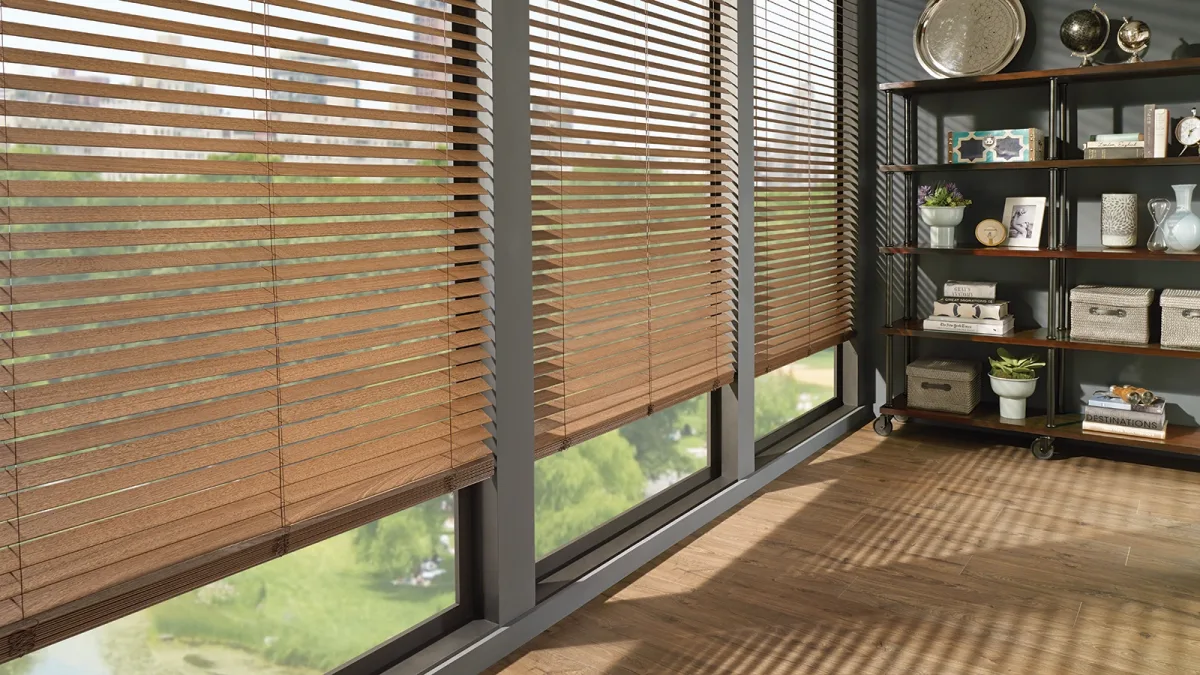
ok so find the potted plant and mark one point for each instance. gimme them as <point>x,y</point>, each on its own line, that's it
<point>1013,380</point>
<point>941,206</point>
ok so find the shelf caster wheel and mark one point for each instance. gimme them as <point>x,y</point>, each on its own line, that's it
<point>1043,448</point>
<point>883,425</point>
<point>901,418</point>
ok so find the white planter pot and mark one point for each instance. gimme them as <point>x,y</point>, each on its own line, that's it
<point>943,222</point>
<point>1013,394</point>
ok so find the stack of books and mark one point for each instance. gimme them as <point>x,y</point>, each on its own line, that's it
<point>1157,123</point>
<point>1116,146</point>
<point>970,307</point>
<point>1110,414</point>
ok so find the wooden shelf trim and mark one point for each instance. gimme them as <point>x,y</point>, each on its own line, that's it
<point>1069,252</point>
<point>1029,78</point>
<point>1036,337</point>
<point>1042,165</point>
<point>1180,439</point>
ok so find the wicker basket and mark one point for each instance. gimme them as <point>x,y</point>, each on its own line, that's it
<point>1181,319</point>
<point>1111,314</point>
<point>945,385</point>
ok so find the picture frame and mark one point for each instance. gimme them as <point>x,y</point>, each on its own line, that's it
<point>1023,217</point>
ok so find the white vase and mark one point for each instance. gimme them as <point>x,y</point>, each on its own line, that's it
<point>1013,394</point>
<point>943,222</point>
<point>1183,226</point>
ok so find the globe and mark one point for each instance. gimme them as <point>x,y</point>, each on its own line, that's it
<point>1133,38</point>
<point>1084,32</point>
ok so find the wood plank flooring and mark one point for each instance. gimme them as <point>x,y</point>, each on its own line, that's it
<point>931,551</point>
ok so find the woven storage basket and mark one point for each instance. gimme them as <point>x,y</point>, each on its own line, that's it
<point>1181,319</point>
<point>1111,314</point>
<point>945,385</point>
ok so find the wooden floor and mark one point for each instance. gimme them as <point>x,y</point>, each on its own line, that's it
<point>927,552</point>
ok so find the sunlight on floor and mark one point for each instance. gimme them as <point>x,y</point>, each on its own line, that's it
<point>920,553</point>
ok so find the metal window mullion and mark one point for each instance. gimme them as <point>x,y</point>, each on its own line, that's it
<point>736,420</point>
<point>508,564</point>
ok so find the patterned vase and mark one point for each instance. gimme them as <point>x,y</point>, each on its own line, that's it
<point>1118,220</point>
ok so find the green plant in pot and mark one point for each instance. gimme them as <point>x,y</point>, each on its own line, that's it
<point>1014,380</point>
<point>941,207</point>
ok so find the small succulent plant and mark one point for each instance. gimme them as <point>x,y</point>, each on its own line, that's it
<point>1010,368</point>
<point>941,194</point>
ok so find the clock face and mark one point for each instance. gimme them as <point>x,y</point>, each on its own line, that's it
<point>991,232</point>
<point>1188,131</point>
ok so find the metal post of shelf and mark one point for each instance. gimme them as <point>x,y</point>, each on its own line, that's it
<point>888,366</point>
<point>1052,307</point>
<point>1062,328</point>
<point>910,219</point>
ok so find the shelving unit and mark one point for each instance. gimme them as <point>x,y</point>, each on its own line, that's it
<point>1044,428</point>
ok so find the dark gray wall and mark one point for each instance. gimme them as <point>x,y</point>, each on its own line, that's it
<point>1098,108</point>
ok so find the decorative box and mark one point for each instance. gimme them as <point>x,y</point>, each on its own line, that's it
<point>1111,314</point>
<point>1002,145</point>
<point>945,385</point>
<point>1180,319</point>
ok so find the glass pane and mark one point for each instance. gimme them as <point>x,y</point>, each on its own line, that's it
<point>583,487</point>
<point>302,614</point>
<point>782,395</point>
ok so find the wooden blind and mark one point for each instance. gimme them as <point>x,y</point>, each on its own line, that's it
<point>806,185</point>
<point>633,207</point>
<point>244,300</point>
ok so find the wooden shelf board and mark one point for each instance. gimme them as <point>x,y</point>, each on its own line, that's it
<point>1069,252</point>
<point>1036,337</point>
<point>1180,439</point>
<point>1042,165</point>
<point>1107,73</point>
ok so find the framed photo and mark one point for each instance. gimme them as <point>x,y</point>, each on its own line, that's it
<point>1023,216</point>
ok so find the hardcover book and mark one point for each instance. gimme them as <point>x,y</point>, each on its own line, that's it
<point>1148,119</point>
<point>1124,431</point>
<point>970,326</point>
<point>1162,131</point>
<point>970,290</point>
<point>970,309</point>
<point>1113,153</point>
<point>1103,138</point>
<point>1125,418</point>
<point>1115,144</point>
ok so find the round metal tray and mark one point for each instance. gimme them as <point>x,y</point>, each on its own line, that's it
<point>967,38</point>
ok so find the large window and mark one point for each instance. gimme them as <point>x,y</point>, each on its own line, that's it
<point>303,614</point>
<point>581,488</point>
<point>789,392</point>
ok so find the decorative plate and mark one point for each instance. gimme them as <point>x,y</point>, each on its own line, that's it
<point>967,38</point>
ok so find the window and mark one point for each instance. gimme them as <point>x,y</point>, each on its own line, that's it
<point>585,486</point>
<point>247,289</point>
<point>633,250</point>
<point>303,614</point>
<point>806,183</point>
<point>789,392</point>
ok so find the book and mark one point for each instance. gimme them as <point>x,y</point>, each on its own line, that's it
<point>1103,138</point>
<point>1124,431</point>
<point>971,326</point>
<point>970,290</point>
<point>1114,144</point>
<point>1113,153</point>
<point>1162,131</point>
<point>1103,399</point>
<point>962,308</point>
<point>1148,120</point>
<point>1125,418</point>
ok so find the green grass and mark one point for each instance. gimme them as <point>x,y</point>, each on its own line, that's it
<point>320,608</point>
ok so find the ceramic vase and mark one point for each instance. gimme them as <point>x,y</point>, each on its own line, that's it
<point>1013,395</point>
<point>1183,227</point>
<point>943,222</point>
<point>1118,220</point>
